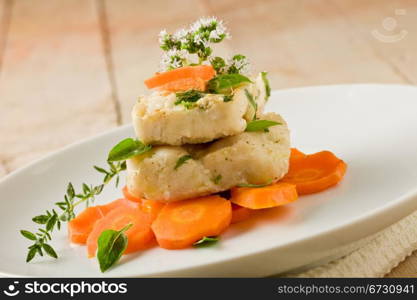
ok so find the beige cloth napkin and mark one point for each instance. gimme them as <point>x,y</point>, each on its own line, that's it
<point>377,257</point>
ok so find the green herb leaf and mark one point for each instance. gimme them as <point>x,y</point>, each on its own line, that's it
<point>111,245</point>
<point>41,219</point>
<point>29,235</point>
<point>49,250</point>
<point>227,98</point>
<point>126,149</point>
<point>266,83</point>
<point>218,64</point>
<point>252,102</point>
<point>188,98</point>
<point>206,241</point>
<point>225,83</point>
<point>182,160</point>
<point>249,185</point>
<point>31,254</point>
<point>260,125</point>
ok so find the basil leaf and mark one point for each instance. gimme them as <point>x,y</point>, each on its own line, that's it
<point>260,125</point>
<point>182,160</point>
<point>223,84</point>
<point>252,102</point>
<point>266,83</point>
<point>126,149</point>
<point>249,185</point>
<point>111,245</point>
<point>206,241</point>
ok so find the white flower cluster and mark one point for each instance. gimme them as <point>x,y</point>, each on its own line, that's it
<point>173,59</point>
<point>196,39</point>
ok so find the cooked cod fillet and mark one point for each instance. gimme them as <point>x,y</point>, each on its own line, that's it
<point>249,157</point>
<point>159,121</point>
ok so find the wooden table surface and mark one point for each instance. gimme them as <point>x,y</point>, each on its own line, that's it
<point>70,69</point>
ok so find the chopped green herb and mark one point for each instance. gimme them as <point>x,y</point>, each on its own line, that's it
<point>266,83</point>
<point>260,125</point>
<point>252,102</point>
<point>206,241</point>
<point>126,149</point>
<point>225,83</point>
<point>188,98</point>
<point>227,98</point>
<point>182,161</point>
<point>217,179</point>
<point>111,245</point>
<point>249,185</point>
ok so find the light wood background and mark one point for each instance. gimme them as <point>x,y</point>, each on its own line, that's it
<point>70,69</point>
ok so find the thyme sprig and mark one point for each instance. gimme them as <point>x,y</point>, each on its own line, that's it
<point>52,220</point>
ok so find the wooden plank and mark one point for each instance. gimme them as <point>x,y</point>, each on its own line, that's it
<point>134,27</point>
<point>303,43</point>
<point>388,27</point>
<point>54,87</point>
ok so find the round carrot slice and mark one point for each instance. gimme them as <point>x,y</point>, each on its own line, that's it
<point>315,172</point>
<point>180,224</point>
<point>264,197</point>
<point>240,213</point>
<point>80,227</point>
<point>196,73</point>
<point>139,236</point>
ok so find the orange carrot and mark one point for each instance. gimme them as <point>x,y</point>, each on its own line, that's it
<point>240,213</point>
<point>80,227</point>
<point>129,196</point>
<point>315,172</point>
<point>152,207</point>
<point>295,154</point>
<point>139,236</point>
<point>184,78</point>
<point>182,223</point>
<point>264,197</point>
<point>184,84</point>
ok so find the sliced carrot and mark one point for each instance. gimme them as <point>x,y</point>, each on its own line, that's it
<point>139,236</point>
<point>296,154</point>
<point>240,213</point>
<point>264,197</point>
<point>152,207</point>
<point>315,172</point>
<point>80,227</point>
<point>129,196</point>
<point>181,224</point>
<point>184,84</point>
<point>202,72</point>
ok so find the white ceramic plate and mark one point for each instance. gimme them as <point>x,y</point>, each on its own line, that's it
<point>372,127</point>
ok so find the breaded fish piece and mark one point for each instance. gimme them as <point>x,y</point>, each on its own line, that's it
<point>249,157</point>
